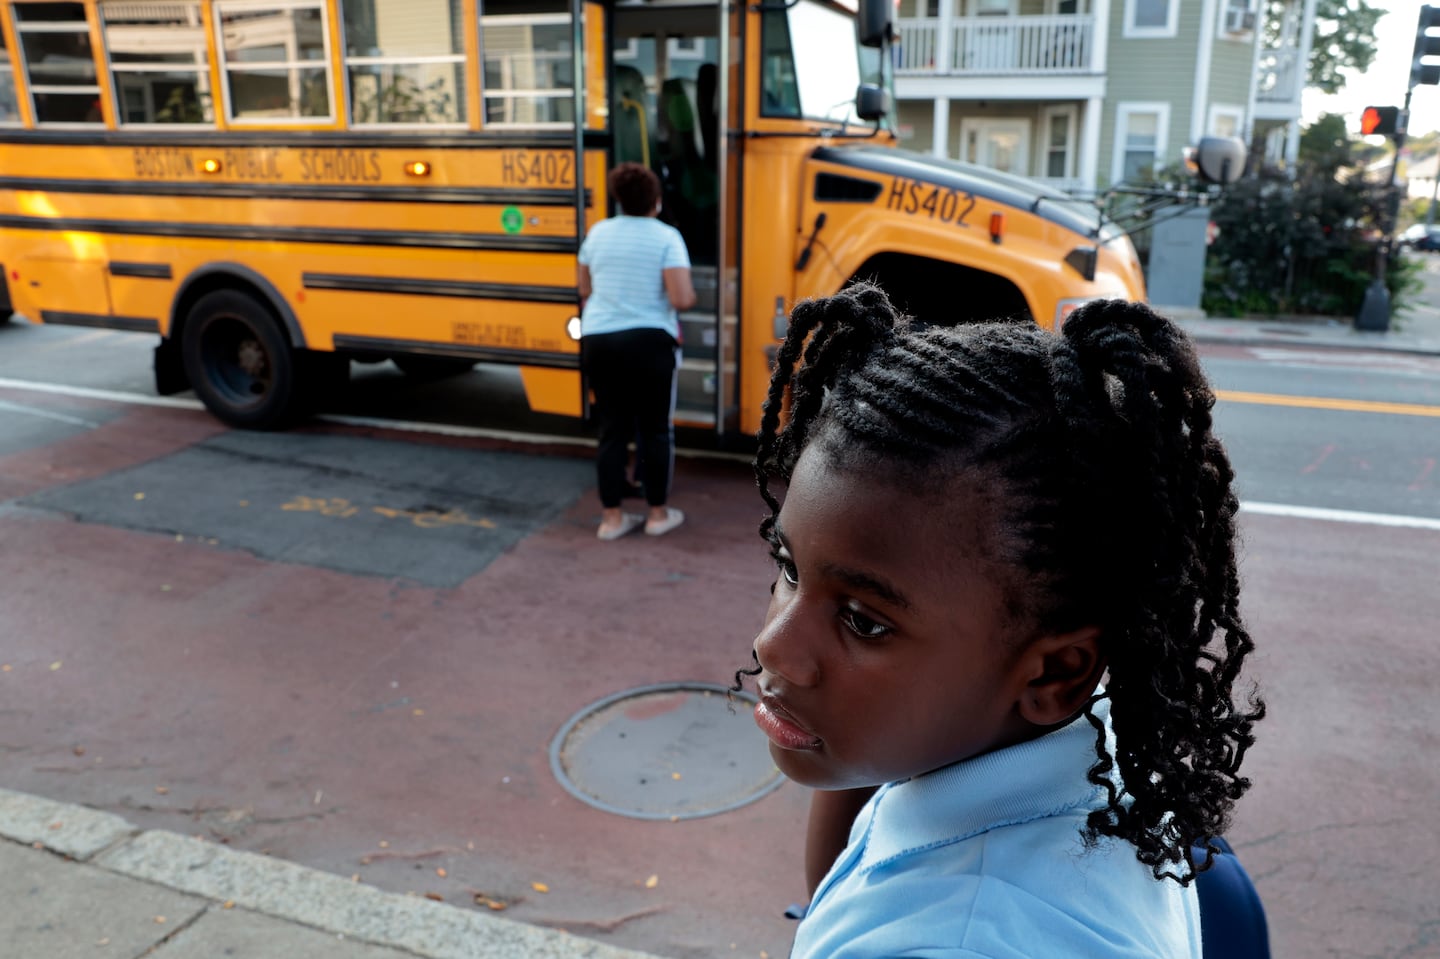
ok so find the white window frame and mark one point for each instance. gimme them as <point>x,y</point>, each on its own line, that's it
<point>56,26</point>
<point>201,69</point>
<point>1171,28</point>
<point>1043,154</point>
<point>486,93</point>
<point>1218,110</point>
<point>980,124</point>
<point>1222,28</point>
<point>223,6</point>
<point>1123,112</point>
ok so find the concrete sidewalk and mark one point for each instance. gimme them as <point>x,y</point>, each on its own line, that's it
<point>76,882</point>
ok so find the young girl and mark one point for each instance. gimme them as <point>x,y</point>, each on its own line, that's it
<point>979,524</point>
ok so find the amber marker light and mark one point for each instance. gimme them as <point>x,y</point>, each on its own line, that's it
<point>211,165</point>
<point>997,226</point>
<point>417,168</point>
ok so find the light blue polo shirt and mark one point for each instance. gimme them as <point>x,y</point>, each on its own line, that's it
<point>626,255</point>
<point>984,859</point>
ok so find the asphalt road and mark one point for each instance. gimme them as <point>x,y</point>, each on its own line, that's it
<point>352,647</point>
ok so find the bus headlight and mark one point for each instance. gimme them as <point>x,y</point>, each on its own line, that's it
<point>1064,308</point>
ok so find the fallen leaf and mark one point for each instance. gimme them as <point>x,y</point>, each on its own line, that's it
<point>496,905</point>
<point>103,942</point>
<point>79,750</point>
<point>228,904</point>
<point>364,860</point>
<point>5,669</point>
<point>166,588</point>
<point>764,954</point>
<point>244,502</point>
<point>162,790</point>
<point>674,775</point>
<point>435,896</point>
<point>37,845</point>
<point>318,794</point>
<point>470,846</point>
<point>179,537</point>
<point>652,882</point>
<point>56,825</point>
<point>139,496</point>
<point>55,665</point>
<point>419,712</point>
<point>355,877</point>
<point>441,873</point>
<point>384,844</point>
<point>160,920</point>
<point>539,887</point>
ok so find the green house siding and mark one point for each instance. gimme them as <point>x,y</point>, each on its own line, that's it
<point>1231,65</point>
<point>1159,69</point>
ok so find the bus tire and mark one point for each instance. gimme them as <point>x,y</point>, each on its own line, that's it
<point>433,367</point>
<point>239,362</point>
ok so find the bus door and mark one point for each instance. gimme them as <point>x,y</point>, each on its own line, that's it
<point>668,93</point>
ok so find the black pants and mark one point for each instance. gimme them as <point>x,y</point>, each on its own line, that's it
<point>633,376</point>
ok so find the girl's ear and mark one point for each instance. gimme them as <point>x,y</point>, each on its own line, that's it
<point>1064,670</point>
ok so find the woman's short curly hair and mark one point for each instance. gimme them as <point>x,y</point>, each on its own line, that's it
<point>635,188</point>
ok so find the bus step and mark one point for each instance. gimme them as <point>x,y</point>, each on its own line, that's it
<point>700,338</point>
<point>696,384</point>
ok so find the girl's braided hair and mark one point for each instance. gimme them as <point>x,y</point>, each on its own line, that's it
<point>1118,513</point>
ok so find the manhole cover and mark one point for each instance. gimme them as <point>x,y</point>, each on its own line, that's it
<point>672,751</point>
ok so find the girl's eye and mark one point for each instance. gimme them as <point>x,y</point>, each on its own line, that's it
<point>786,566</point>
<point>862,625</point>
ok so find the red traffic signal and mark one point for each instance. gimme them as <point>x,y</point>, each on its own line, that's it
<point>1380,121</point>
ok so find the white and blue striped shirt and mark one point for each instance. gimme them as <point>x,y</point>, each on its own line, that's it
<point>626,255</point>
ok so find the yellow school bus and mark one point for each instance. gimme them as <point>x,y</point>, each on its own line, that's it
<point>278,187</point>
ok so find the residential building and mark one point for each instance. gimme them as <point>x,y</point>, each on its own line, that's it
<point>1086,94</point>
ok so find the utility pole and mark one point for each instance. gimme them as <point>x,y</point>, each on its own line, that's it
<point>1375,307</point>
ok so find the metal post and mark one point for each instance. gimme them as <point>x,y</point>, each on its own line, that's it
<point>1434,193</point>
<point>1375,307</point>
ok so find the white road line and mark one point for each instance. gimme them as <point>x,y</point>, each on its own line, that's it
<point>113,396</point>
<point>367,422</point>
<point>46,414</point>
<point>1340,515</point>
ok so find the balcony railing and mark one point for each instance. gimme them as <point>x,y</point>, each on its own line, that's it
<point>1279,78</point>
<point>997,46</point>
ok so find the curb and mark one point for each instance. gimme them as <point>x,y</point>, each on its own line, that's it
<point>283,890</point>
<point>1351,341</point>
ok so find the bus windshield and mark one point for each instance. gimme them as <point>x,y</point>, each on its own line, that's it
<point>807,71</point>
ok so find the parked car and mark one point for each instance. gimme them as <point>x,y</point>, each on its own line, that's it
<point>1422,237</point>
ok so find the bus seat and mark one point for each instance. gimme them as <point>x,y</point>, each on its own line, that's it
<point>632,128</point>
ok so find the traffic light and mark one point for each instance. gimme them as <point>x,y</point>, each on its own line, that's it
<point>1426,45</point>
<point>1380,121</point>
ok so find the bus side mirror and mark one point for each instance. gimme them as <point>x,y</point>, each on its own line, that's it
<point>874,22</point>
<point>871,102</point>
<point>1220,159</point>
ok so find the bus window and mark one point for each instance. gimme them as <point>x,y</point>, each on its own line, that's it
<point>9,105</point>
<point>406,61</point>
<point>276,61</point>
<point>160,62</point>
<point>528,64</point>
<point>59,64</point>
<point>779,94</point>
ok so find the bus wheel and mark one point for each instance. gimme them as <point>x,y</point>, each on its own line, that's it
<point>433,367</point>
<point>238,361</point>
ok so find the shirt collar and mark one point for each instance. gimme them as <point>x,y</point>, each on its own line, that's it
<point>1031,780</point>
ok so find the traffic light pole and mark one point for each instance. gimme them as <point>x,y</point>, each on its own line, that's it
<point>1375,307</point>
